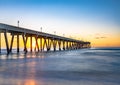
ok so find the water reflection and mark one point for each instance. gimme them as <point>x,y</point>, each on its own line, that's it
<point>22,55</point>
<point>19,69</point>
<point>29,82</point>
<point>13,81</point>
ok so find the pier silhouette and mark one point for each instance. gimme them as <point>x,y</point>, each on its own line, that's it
<point>46,40</point>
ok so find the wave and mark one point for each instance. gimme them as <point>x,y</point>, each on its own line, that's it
<point>106,48</point>
<point>112,54</point>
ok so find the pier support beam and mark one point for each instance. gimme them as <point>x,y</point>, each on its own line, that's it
<point>70,46</point>
<point>48,45</point>
<point>18,43</point>
<point>31,43</point>
<point>63,45</point>
<point>11,42</point>
<point>74,45</point>
<point>6,41</point>
<point>54,44</point>
<point>41,44</point>
<point>25,42</point>
<point>45,43</point>
<point>36,39</point>
<point>59,43</point>
<point>67,45</point>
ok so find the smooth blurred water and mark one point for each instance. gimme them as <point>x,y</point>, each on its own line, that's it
<point>95,66</point>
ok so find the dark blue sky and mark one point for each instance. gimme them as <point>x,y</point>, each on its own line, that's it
<point>109,9</point>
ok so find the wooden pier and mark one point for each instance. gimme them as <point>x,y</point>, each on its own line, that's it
<point>45,40</point>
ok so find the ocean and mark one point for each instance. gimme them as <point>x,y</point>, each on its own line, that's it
<point>93,66</point>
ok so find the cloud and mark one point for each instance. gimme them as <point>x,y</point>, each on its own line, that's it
<point>96,37</point>
<point>103,37</point>
<point>100,36</point>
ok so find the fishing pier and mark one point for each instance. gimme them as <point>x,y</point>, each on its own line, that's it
<point>46,40</point>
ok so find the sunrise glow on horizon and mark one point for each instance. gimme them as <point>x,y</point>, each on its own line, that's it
<point>97,21</point>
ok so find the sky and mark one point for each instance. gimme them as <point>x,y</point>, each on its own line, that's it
<point>97,21</point>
